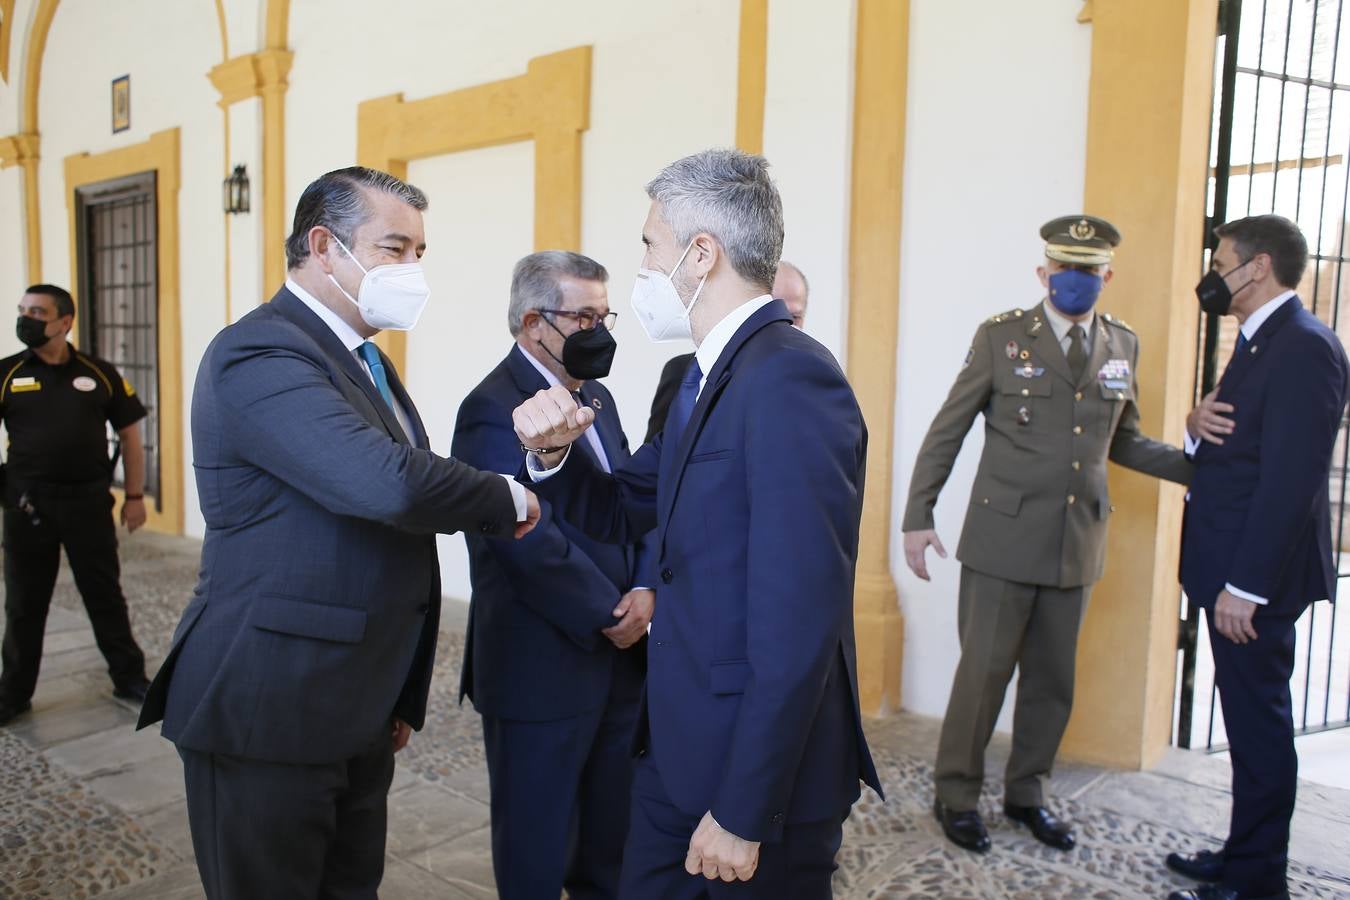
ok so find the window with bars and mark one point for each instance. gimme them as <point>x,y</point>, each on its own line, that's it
<point>1280,144</point>
<point>119,296</point>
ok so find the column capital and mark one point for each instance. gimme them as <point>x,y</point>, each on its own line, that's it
<point>18,149</point>
<point>252,75</point>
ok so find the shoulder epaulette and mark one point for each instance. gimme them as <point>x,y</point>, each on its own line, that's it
<point>1011,315</point>
<point>1116,321</point>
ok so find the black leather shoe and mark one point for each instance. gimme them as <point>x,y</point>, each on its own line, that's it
<point>132,690</point>
<point>9,710</point>
<point>1044,827</point>
<point>1208,892</point>
<point>964,829</point>
<point>1203,865</point>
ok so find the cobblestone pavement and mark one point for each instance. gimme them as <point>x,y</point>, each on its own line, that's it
<point>91,808</point>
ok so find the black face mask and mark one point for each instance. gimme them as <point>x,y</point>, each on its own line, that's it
<point>33,332</point>
<point>586,354</point>
<point>1213,293</point>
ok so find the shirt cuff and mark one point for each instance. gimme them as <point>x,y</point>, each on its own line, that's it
<point>537,474</point>
<point>1191,443</point>
<point>1243,595</point>
<point>518,498</point>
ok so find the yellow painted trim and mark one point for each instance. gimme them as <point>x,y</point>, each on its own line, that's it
<point>752,75</point>
<point>549,104</point>
<point>22,150</point>
<point>224,30</point>
<point>1148,125</point>
<point>159,154</point>
<point>277,26</point>
<point>1085,14</point>
<point>43,14</point>
<point>236,79</point>
<point>879,94</point>
<point>6,30</point>
<point>274,65</point>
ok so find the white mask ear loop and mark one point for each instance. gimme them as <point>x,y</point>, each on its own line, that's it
<point>364,272</point>
<point>698,290</point>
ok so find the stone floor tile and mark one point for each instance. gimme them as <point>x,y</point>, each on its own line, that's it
<point>47,726</point>
<point>466,859</point>
<point>404,881</point>
<point>169,826</point>
<point>423,814</point>
<point>111,749</point>
<point>141,786</point>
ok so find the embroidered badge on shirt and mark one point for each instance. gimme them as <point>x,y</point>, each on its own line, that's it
<point>126,386</point>
<point>970,355</point>
<point>1028,371</point>
<point>1011,349</point>
<point>84,383</point>
<point>21,385</point>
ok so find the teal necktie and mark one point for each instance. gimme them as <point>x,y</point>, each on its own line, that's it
<point>371,355</point>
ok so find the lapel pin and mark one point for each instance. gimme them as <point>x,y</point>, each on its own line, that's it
<point>1012,349</point>
<point>1025,354</point>
<point>1253,348</point>
<point>595,401</point>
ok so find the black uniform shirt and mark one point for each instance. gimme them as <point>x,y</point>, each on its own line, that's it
<point>57,417</point>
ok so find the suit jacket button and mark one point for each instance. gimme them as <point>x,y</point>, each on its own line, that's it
<point>485,527</point>
<point>777,819</point>
<point>424,608</point>
<point>667,576</point>
<point>1078,429</point>
<point>1072,499</point>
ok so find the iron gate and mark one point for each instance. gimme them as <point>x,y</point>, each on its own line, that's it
<point>1280,144</point>
<point>117,243</point>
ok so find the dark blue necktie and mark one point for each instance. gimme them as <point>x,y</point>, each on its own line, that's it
<point>682,407</point>
<point>371,355</point>
<point>1241,342</point>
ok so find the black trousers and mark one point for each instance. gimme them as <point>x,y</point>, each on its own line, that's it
<point>81,522</point>
<point>798,867</point>
<point>272,831</point>
<point>1253,680</point>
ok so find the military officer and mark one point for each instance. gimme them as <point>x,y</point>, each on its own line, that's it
<point>1057,388</point>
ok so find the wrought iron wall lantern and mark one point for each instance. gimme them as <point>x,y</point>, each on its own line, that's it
<point>236,191</point>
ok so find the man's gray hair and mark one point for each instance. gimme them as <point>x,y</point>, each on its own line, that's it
<point>535,282</point>
<point>806,285</point>
<point>729,195</point>
<point>337,201</point>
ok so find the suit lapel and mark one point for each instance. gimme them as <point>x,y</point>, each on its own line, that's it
<point>607,426</point>
<point>1244,362</point>
<point>674,458</point>
<point>294,309</point>
<point>419,435</point>
<point>1101,352</point>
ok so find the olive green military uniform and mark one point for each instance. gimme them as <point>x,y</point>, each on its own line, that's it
<point>1035,530</point>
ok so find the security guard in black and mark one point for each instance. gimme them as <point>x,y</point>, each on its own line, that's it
<point>56,404</point>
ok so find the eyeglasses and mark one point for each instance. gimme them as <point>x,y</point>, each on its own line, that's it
<point>586,319</point>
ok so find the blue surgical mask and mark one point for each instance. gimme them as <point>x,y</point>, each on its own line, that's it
<point>1074,292</point>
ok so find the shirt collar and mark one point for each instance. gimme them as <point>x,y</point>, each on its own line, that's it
<point>721,334</point>
<point>539,367</point>
<point>1061,325</point>
<point>345,333</point>
<point>1258,318</point>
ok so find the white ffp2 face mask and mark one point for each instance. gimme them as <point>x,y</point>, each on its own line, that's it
<point>391,297</point>
<point>658,306</point>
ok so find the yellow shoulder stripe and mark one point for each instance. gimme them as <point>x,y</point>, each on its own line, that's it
<point>9,375</point>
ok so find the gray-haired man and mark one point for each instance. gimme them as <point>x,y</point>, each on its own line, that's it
<point>753,741</point>
<point>556,646</point>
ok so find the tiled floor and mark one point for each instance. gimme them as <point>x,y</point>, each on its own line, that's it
<point>89,807</point>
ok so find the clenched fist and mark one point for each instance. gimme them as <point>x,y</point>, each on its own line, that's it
<point>551,419</point>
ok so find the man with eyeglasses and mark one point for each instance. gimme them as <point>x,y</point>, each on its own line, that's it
<point>555,652</point>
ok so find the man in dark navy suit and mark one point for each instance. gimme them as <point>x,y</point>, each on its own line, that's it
<point>752,742</point>
<point>304,660</point>
<point>1256,539</point>
<point>556,646</point>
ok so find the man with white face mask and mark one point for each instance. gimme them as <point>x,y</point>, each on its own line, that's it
<point>304,659</point>
<point>752,743</point>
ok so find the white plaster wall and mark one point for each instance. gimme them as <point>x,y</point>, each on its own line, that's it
<point>13,277</point>
<point>167,50</point>
<point>996,142</point>
<point>808,127</point>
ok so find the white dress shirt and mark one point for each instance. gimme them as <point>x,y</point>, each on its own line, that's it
<point>1061,325</point>
<point>352,341</point>
<point>1249,329</point>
